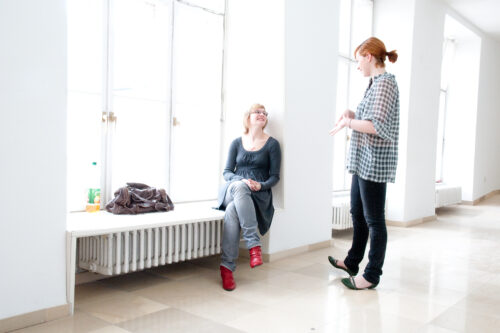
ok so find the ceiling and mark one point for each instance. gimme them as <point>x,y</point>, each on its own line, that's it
<point>484,14</point>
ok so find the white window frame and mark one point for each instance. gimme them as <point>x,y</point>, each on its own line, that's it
<point>444,90</point>
<point>349,59</point>
<point>108,116</point>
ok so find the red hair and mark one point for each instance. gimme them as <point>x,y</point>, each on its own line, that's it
<point>376,48</point>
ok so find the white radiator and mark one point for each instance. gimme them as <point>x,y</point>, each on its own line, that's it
<point>135,250</point>
<point>341,214</point>
<point>448,195</point>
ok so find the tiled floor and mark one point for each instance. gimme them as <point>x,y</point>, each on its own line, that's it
<point>440,276</point>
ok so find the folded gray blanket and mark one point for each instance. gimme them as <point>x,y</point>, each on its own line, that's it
<point>136,198</point>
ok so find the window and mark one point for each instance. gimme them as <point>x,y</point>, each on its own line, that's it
<point>144,95</point>
<point>355,26</point>
<point>446,66</point>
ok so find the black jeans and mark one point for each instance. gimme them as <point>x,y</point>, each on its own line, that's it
<point>368,218</point>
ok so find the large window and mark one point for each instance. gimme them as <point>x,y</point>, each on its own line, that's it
<point>446,67</point>
<point>144,95</point>
<point>355,27</point>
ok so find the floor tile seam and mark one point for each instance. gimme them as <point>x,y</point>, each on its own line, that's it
<point>443,327</point>
<point>210,317</point>
<point>416,299</point>
<point>418,324</point>
<point>205,319</point>
<point>170,303</point>
<point>136,317</point>
<point>437,300</point>
<point>100,300</point>
<point>282,311</point>
<point>425,321</point>
<point>482,316</point>
<point>105,322</point>
<point>478,312</point>
<point>165,306</point>
<point>265,282</point>
<point>133,293</point>
<point>265,304</point>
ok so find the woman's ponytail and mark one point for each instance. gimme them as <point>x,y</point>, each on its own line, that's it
<point>392,56</point>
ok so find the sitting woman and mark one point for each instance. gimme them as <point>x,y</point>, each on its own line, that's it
<point>252,168</point>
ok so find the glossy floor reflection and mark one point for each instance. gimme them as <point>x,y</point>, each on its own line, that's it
<point>440,276</point>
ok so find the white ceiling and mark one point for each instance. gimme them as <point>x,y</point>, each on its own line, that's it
<point>484,14</point>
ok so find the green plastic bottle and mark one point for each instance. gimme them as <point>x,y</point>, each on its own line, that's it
<point>94,190</point>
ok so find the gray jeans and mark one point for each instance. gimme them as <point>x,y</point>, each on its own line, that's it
<point>240,215</point>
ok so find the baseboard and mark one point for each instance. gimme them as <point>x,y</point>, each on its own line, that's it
<point>410,223</point>
<point>481,198</point>
<point>34,318</point>
<point>269,257</point>
<point>86,277</point>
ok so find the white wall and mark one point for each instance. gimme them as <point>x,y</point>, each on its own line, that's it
<point>415,29</point>
<point>471,153</point>
<point>284,55</point>
<point>393,23</point>
<point>478,108</point>
<point>33,148</point>
<point>311,47</point>
<point>461,115</point>
<point>487,156</point>
<point>254,69</point>
<point>423,109</point>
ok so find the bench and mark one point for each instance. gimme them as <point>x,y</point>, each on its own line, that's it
<point>118,244</point>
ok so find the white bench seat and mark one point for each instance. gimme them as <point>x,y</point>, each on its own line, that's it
<point>116,244</point>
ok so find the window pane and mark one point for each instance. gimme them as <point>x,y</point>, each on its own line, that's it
<point>85,40</point>
<point>447,62</point>
<point>214,5</point>
<point>196,104</point>
<point>361,22</point>
<point>440,137</point>
<point>344,27</point>
<point>357,86</point>
<point>140,96</point>
<point>141,49</point>
<point>84,98</point>
<point>339,140</point>
<point>355,26</point>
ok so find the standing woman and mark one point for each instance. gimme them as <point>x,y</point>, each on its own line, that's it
<point>372,161</point>
<point>252,168</point>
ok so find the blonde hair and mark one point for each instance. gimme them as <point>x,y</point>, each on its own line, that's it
<point>246,116</point>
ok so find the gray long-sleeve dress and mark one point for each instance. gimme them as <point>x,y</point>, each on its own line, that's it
<point>263,166</point>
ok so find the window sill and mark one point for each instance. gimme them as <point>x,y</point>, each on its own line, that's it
<point>83,224</point>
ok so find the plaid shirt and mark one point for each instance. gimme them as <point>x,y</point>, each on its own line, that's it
<point>374,157</point>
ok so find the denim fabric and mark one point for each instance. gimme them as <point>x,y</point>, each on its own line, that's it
<point>368,217</point>
<point>240,215</point>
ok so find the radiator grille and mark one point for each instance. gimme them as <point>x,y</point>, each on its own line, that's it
<point>341,215</point>
<point>135,250</point>
<point>448,195</point>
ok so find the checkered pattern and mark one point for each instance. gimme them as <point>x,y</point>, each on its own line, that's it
<point>374,157</point>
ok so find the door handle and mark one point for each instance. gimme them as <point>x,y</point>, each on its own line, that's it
<point>108,117</point>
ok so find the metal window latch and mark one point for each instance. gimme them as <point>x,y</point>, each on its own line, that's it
<point>108,117</point>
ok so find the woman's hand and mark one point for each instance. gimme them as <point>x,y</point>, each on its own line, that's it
<point>343,121</point>
<point>252,184</point>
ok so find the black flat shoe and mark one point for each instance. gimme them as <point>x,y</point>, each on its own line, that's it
<point>333,261</point>
<point>349,283</point>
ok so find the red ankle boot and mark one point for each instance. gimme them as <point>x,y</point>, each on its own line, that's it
<point>227,279</point>
<point>255,256</point>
